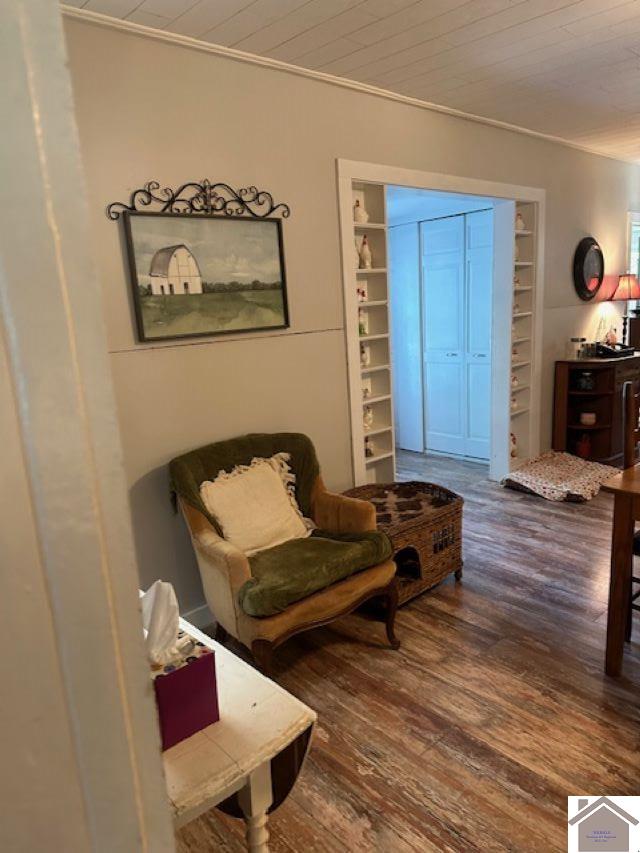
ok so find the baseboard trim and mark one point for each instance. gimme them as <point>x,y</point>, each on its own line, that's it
<point>201,617</point>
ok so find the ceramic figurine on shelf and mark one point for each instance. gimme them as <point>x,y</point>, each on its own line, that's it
<point>366,261</point>
<point>516,281</point>
<point>369,449</point>
<point>367,417</point>
<point>362,291</point>
<point>520,226</point>
<point>360,215</point>
<point>366,389</point>
<point>365,355</point>
<point>514,402</point>
<point>363,322</point>
<point>514,352</point>
<point>514,380</point>
<point>357,257</point>
<point>514,446</point>
<point>516,308</point>
<point>516,251</point>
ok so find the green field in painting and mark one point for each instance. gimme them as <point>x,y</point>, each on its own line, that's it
<point>208,313</point>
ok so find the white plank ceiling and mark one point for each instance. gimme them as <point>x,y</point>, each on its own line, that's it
<point>569,68</point>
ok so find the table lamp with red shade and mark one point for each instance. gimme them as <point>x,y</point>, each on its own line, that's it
<point>628,288</point>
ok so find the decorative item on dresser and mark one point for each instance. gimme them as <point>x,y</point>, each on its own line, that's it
<point>628,288</point>
<point>424,523</point>
<point>204,259</point>
<point>592,387</point>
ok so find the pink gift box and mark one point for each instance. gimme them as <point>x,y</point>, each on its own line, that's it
<point>187,697</point>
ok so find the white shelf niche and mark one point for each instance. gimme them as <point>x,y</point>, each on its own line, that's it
<point>372,369</point>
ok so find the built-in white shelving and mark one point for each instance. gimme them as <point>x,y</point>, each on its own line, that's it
<point>369,343</point>
<point>368,339</point>
<point>522,357</point>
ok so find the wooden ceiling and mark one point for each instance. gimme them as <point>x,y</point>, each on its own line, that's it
<point>568,68</point>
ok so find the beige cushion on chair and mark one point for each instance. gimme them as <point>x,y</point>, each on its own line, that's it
<point>255,505</point>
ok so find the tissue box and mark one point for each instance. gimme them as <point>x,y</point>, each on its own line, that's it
<point>186,695</point>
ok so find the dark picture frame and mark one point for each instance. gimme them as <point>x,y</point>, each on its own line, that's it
<point>184,287</point>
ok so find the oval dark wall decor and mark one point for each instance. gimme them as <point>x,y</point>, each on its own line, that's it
<point>588,268</point>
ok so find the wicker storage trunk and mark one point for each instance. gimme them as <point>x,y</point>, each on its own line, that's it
<point>424,523</point>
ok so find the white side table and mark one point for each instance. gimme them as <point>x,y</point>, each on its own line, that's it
<point>258,720</point>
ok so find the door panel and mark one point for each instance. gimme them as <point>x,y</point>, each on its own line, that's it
<point>457,270</point>
<point>478,410</point>
<point>477,354</point>
<point>443,304</point>
<point>478,301</point>
<point>444,423</point>
<point>443,333</point>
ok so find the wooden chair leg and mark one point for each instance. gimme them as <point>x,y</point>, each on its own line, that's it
<point>392,608</point>
<point>220,634</point>
<point>262,651</point>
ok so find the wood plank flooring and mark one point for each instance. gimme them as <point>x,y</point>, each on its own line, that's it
<point>495,708</point>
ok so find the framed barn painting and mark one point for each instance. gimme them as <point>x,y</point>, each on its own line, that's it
<point>205,275</point>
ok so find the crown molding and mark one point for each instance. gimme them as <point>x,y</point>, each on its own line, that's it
<point>333,80</point>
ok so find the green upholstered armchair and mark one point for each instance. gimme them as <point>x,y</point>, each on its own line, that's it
<point>265,599</point>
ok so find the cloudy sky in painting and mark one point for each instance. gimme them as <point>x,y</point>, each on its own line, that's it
<point>226,249</point>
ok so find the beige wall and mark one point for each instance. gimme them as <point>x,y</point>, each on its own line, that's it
<point>150,110</point>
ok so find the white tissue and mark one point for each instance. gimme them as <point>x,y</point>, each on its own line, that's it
<point>160,619</point>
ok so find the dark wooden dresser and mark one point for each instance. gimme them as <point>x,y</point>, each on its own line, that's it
<point>608,375</point>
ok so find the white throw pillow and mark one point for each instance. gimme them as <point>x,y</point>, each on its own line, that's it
<point>255,504</point>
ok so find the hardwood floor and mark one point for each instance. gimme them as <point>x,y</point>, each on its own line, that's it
<point>495,708</point>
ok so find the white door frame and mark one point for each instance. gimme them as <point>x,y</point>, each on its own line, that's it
<point>354,170</point>
<point>78,710</point>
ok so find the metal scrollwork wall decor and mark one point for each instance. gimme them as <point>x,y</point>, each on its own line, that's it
<point>204,259</point>
<point>204,198</point>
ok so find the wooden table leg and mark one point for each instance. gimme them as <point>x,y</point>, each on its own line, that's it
<point>620,584</point>
<point>254,799</point>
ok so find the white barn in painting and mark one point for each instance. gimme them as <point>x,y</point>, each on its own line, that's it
<point>174,270</point>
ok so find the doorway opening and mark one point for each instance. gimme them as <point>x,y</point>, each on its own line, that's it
<point>442,318</point>
<point>440,262</point>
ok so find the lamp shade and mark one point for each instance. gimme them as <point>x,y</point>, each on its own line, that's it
<point>628,288</point>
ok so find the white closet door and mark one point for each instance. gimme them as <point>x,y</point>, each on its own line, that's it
<point>443,334</point>
<point>477,356</point>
